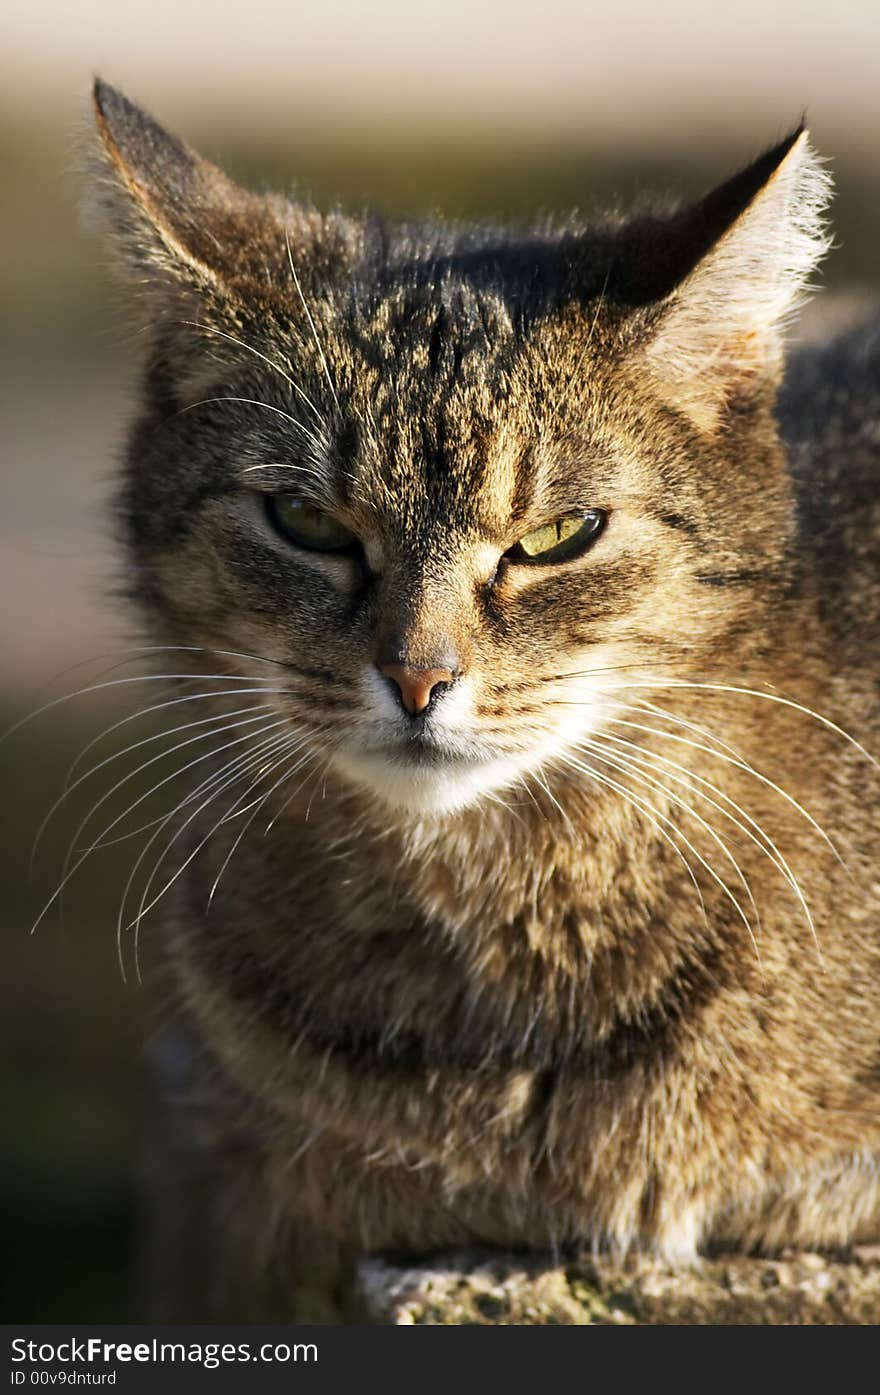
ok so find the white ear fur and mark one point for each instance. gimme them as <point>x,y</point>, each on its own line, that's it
<point>722,325</point>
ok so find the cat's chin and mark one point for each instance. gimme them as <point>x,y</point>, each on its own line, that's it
<point>431,788</point>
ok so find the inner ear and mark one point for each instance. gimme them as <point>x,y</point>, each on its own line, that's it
<point>210,263</point>
<point>657,252</point>
<point>170,211</point>
<point>719,281</point>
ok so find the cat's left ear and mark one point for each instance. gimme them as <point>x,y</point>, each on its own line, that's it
<point>718,335</point>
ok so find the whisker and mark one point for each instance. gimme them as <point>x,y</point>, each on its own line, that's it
<point>201,649</point>
<point>210,329</point>
<point>270,748</point>
<point>495,798</point>
<point>312,325</point>
<point>771,850</point>
<point>161,706</point>
<point>524,781</point>
<point>200,788</point>
<point>604,668</point>
<point>256,402</point>
<point>121,657</point>
<point>650,812</point>
<point>257,806</point>
<point>768,697</point>
<point>134,746</point>
<point>102,841</point>
<point>207,649</point>
<point>246,808</point>
<point>740,765</point>
<point>321,770</point>
<point>627,766</point>
<point>310,470</point>
<point>660,712</point>
<point>170,751</point>
<point>128,655</point>
<point>241,765</point>
<point>315,479</point>
<point>122,682</point>
<point>768,846</point>
<point>546,788</point>
<point>712,873</point>
<point>294,793</point>
<point>71,872</point>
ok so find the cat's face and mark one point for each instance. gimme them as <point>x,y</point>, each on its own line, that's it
<point>451,507</point>
<point>406,528</point>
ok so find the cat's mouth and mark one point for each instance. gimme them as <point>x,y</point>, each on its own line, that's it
<point>420,752</point>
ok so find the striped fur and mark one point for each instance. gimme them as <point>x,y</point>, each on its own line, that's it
<point>572,961</point>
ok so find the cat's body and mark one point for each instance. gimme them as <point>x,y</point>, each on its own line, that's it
<point>553,949</point>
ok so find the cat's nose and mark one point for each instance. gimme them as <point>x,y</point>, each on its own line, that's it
<point>417,686</point>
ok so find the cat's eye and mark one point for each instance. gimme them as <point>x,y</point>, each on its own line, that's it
<point>308,527</point>
<point>558,542</point>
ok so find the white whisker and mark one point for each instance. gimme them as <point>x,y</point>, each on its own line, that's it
<point>278,751</point>
<point>767,846</point>
<point>312,325</point>
<point>740,765</point>
<point>652,814</point>
<point>241,766</point>
<point>661,713</point>
<point>136,745</point>
<point>199,789</point>
<point>210,329</point>
<point>161,707</point>
<point>628,766</point>
<point>768,697</point>
<point>180,770</point>
<point>712,873</point>
<point>286,465</point>
<point>124,656</point>
<point>256,402</point>
<point>546,788</point>
<point>119,683</point>
<point>294,793</point>
<point>257,806</point>
<point>72,870</point>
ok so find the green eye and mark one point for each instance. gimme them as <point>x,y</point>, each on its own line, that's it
<point>557,542</point>
<point>308,527</point>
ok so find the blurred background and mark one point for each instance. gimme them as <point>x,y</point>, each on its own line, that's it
<point>464,108</point>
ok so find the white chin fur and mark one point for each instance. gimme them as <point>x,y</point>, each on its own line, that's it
<point>426,791</point>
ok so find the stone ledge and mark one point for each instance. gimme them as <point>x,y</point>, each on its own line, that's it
<point>497,1289</point>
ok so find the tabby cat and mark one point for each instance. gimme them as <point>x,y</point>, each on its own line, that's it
<point>527,892</point>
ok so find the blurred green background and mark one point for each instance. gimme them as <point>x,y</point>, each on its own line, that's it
<point>496,109</point>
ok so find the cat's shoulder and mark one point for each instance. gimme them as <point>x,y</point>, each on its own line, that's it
<point>829,414</point>
<point>829,406</point>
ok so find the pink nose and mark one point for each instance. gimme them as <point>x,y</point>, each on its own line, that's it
<point>416,684</point>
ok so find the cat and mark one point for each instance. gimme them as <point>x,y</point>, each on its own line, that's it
<point>532,590</point>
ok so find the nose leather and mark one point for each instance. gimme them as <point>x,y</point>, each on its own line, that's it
<point>416,684</point>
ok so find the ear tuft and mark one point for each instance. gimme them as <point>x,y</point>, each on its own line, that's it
<point>721,328</point>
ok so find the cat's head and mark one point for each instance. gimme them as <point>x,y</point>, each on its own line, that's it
<point>452,486</point>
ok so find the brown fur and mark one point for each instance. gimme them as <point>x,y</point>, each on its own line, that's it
<point>506,1018</point>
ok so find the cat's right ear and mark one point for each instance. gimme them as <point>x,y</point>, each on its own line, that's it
<point>177,222</point>
<point>729,272</point>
